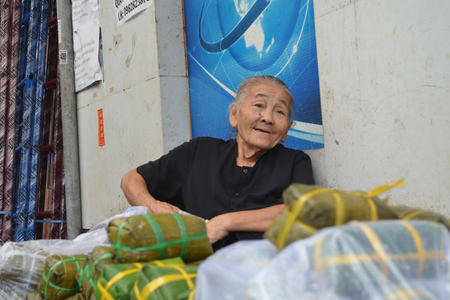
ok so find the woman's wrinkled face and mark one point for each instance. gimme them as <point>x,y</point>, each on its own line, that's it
<point>262,119</point>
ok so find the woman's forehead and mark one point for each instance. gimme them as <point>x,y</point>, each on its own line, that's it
<point>268,90</point>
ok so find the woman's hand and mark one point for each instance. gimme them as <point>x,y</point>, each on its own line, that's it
<point>162,207</point>
<point>257,220</point>
<point>136,192</point>
<point>217,228</point>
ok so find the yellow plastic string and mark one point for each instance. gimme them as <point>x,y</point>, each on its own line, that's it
<point>373,210</point>
<point>346,259</point>
<point>159,282</point>
<point>383,188</point>
<point>375,241</point>
<point>189,282</point>
<point>406,294</point>
<point>413,214</point>
<point>294,213</point>
<point>419,246</point>
<point>318,254</point>
<point>191,295</point>
<point>160,264</point>
<point>117,277</point>
<point>340,209</point>
<point>105,294</point>
<point>374,192</point>
<point>136,291</point>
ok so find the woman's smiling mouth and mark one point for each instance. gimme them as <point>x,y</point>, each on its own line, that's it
<point>261,130</point>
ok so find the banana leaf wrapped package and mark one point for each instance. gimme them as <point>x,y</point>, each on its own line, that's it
<point>22,263</point>
<point>33,296</point>
<point>164,283</point>
<point>92,268</point>
<point>394,252</point>
<point>310,208</point>
<point>410,213</point>
<point>151,237</point>
<point>58,280</point>
<point>116,281</point>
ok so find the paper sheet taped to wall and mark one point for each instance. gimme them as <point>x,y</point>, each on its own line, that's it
<point>86,40</point>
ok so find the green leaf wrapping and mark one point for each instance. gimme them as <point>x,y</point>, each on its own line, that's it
<point>158,236</point>
<point>58,280</point>
<point>92,268</point>
<point>164,283</point>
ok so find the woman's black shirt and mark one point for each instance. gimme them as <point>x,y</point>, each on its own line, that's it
<point>202,178</point>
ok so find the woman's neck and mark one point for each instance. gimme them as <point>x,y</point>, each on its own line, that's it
<point>247,156</point>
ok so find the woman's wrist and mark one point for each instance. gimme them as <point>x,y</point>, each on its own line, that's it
<point>230,221</point>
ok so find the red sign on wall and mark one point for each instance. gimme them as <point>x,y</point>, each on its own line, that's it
<point>101,131</point>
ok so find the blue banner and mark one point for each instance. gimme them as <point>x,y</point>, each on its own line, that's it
<point>229,40</point>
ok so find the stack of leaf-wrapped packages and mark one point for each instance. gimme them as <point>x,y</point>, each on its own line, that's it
<point>387,259</point>
<point>310,208</point>
<point>360,259</point>
<point>156,237</point>
<point>22,264</point>
<point>145,261</point>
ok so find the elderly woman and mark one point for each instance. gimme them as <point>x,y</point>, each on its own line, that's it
<point>235,184</point>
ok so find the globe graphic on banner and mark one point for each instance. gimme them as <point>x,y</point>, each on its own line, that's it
<point>256,32</point>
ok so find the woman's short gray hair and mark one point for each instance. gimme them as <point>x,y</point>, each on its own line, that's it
<point>250,81</point>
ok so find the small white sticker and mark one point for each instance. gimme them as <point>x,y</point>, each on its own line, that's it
<point>62,57</point>
<point>59,31</point>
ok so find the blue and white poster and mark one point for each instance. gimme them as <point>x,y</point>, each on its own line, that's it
<point>229,40</point>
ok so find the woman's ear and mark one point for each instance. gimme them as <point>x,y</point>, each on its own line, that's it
<point>233,115</point>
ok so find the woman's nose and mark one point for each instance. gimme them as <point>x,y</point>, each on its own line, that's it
<point>266,117</point>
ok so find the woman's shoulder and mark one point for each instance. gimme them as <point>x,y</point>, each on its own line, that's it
<point>282,151</point>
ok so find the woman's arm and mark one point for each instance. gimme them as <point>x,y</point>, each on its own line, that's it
<point>251,220</point>
<point>135,190</point>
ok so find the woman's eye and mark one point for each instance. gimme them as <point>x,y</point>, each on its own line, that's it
<point>258,105</point>
<point>281,112</point>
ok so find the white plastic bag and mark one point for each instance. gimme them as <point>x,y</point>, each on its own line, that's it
<point>228,273</point>
<point>361,260</point>
<point>22,264</point>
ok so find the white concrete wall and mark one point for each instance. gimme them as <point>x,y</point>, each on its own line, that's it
<point>384,69</point>
<point>144,101</point>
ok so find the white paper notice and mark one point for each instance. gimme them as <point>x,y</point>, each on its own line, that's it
<point>125,9</point>
<point>86,35</point>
